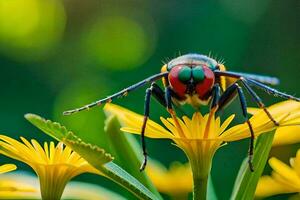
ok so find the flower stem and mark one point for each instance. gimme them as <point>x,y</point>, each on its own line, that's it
<point>200,188</point>
<point>52,183</point>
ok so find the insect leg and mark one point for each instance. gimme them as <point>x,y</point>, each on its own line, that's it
<point>158,94</point>
<point>258,100</point>
<point>228,94</point>
<point>216,93</point>
<point>164,98</point>
<point>168,97</point>
<point>146,116</point>
<point>119,94</point>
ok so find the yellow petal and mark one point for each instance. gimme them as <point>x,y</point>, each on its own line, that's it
<point>55,166</point>
<point>284,112</point>
<point>253,111</point>
<point>284,106</point>
<point>169,124</point>
<point>242,131</point>
<point>133,122</point>
<point>124,115</point>
<point>295,162</point>
<point>226,123</point>
<point>285,171</point>
<point>267,186</point>
<point>277,110</point>
<point>150,133</point>
<point>7,168</point>
<point>287,135</point>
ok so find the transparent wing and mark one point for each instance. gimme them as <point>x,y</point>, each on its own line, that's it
<point>260,78</point>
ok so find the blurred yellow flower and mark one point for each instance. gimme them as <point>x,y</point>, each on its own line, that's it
<point>284,178</point>
<point>10,188</point>
<point>177,181</point>
<point>7,168</point>
<point>200,136</point>
<point>25,186</point>
<point>55,166</point>
<point>35,28</point>
<point>5,186</point>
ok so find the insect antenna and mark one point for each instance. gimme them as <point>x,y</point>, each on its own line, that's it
<point>119,94</point>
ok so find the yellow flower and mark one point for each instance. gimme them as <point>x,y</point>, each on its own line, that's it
<point>200,136</point>
<point>25,186</point>
<point>7,168</point>
<point>177,181</point>
<point>4,187</point>
<point>284,178</point>
<point>287,134</point>
<point>55,166</point>
<point>205,134</point>
<point>17,186</point>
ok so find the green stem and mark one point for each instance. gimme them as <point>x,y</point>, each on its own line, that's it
<point>200,188</point>
<point>201,165</point>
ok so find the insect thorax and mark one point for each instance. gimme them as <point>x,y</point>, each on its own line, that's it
<point>192,60</point>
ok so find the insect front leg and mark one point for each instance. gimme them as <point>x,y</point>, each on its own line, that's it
<point>258,100</point>
<point>169,105</point>
<point>159,95</point>
<point>225,98</point>
<point>168,96</point>
<point>216,93</point>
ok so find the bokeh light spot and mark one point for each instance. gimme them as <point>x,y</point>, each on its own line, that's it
<point>246,11</point>
<point>118,43</point>
<point>30,28</point>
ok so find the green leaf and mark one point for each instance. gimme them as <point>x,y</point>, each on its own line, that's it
<point>91,153</point>
<point>246,181</point>
<point>119,175</point>
<point>126,151</point>
<point>96,156</point>
<point>53,129</point>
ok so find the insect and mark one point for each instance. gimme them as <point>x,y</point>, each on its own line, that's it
<point>199,80</point>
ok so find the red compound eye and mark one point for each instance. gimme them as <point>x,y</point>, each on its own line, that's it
<point>178,86</point>
<point>202,88</point>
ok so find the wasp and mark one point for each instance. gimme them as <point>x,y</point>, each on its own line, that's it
<point>199,80</point>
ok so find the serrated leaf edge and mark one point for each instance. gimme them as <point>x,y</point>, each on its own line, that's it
<point>67,134</point>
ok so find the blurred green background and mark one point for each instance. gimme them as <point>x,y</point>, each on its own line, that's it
<point>56,55</point>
